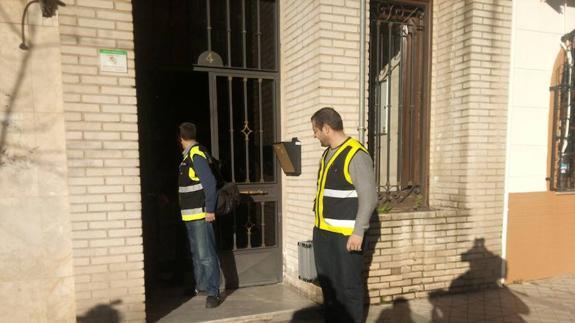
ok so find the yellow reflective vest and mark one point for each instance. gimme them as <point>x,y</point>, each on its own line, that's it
<point>191,191</point>
<point>336,200</point>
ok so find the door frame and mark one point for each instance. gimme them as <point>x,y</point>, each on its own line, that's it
<point>276,186</point>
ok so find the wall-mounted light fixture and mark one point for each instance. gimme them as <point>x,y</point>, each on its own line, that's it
<point>49,8</point>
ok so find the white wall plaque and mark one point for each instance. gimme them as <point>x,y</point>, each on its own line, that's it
<point>114,60</point>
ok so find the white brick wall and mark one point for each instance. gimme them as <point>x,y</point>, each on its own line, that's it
<point>299,79</point>
<point>102,141</point>
<point>469,112</point>
<point>468,127</point>
<point>320,67</point>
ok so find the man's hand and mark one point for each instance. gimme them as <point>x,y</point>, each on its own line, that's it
<point>354,243</point>
<point>210,217</point>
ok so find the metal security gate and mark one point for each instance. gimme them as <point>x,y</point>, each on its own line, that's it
<point>398,116</point>
<point>240,55</point>
<point>244,123</point>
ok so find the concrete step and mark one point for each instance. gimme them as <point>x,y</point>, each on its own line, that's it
<point>307,315</point>
<point>272,303</point>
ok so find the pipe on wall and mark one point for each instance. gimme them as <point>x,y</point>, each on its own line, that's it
<point>361,128</point>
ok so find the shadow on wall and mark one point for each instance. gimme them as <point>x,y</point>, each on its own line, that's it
<point>558,5</point>
<point>482,283</point>
<point>8,109</point>
<point>469,296</point>
<point>102,313</point>
<point>11,153</point>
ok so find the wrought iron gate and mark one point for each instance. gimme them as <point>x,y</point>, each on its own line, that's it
<point>244,127</point>
<point>398,116</point>
<point>241,59</point>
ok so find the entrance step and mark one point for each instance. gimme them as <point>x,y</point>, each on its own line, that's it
<point>271,303</point>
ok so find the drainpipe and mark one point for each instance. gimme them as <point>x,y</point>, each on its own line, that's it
<point>361,129</point>
<point>510,103</point>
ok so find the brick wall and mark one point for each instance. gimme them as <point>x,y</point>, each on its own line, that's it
<point>103,158</point>
<point>300,67</point>
<point>470,68</point>
<point>320,67</point>
<point>418,254</point>
<point>411,254</point>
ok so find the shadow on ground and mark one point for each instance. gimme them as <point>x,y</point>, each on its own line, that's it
<point>103,313</point>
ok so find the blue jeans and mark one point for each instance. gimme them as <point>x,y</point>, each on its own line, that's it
<point>203,248</point>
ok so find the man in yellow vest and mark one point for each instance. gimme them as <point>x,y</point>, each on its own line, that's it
<point>198,195</point>
<point>345,199</point>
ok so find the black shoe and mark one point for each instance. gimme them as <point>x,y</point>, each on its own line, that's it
<point>213,301</point>
<point>191,292</point>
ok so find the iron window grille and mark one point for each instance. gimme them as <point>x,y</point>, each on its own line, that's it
<point>562,177</point>
<point>398,102</point>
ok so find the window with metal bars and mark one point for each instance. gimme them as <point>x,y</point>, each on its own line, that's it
<point>562,89</point>
<point>398,102</point>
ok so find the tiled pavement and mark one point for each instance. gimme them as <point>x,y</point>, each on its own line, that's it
<point>548,300</point>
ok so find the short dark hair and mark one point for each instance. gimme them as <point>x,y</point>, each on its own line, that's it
<point>188,131</point>
<point>329,116</point>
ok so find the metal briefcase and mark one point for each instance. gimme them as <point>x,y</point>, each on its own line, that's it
<point>307,271</point>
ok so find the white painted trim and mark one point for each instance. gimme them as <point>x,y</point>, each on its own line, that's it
<point>508,143</point>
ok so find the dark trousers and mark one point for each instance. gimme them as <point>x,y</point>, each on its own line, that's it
<point>340,274</point>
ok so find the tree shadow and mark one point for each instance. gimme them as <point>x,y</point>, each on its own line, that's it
<point>9,109</point>
<point>477,294</point>
<point>19,155</point>
<point>103,313</point>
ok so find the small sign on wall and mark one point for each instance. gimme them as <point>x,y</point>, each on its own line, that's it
<point>114,60</point>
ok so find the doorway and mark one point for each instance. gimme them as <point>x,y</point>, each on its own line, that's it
<point>233,100</point>
<point>244,105</point>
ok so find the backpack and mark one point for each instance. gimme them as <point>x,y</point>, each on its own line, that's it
<point>228,198</point>
<point>227,192</point>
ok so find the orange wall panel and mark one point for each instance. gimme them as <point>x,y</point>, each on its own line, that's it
<point>540,235</point>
